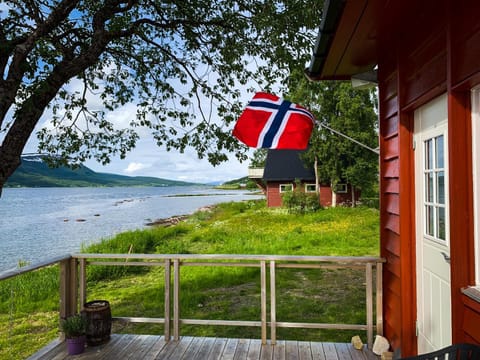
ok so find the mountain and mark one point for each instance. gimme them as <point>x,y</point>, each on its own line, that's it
<point>34,172</point>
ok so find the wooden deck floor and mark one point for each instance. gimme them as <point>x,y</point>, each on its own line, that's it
<point>122,347</point>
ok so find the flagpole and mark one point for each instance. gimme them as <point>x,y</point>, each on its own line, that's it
<point>348,138</point>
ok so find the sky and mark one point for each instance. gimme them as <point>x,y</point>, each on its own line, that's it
<point>148,159</point>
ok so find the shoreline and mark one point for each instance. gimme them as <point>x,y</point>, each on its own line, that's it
<point>176,219</point>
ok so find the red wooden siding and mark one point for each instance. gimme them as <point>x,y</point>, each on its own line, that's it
<point>437,52</point>
<point>465,41</point>
<point>471,314</point>
<point>274,197</point>
<point>325,195</point>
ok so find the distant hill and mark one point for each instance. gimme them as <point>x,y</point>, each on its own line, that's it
<point>240,183</point>
<point>34,172</point>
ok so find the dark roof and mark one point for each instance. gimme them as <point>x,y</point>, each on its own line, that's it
<point>286,165</point>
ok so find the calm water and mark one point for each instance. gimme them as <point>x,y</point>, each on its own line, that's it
<point>39,223</point>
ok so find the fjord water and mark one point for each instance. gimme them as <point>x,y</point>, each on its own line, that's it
<point>39,223</point>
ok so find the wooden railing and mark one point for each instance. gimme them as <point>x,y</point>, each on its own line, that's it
<point>73,287</point>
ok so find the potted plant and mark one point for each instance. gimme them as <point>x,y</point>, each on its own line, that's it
<point>74,328</point>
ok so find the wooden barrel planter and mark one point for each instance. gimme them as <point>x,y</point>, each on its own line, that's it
<point>99,321</point>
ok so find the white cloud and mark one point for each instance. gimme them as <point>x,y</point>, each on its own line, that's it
<point>135,166</point>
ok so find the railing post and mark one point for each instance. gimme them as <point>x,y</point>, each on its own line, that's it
<point>176,299</point>
<point>369,290</point>
<point>167,300</point>
<point>263,299</point>
<point>273,305</point>
<point>83,283</point>
<point>379,297</point>
<point>68,287</point>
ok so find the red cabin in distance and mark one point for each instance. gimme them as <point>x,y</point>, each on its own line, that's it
<point>283,168</point>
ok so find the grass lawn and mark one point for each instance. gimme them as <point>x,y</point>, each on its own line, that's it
<point>31,301</point>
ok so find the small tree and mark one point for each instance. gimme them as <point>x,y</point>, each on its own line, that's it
<point>352,113</point>
<point>259,158</point>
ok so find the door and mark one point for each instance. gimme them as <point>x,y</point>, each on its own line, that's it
<point>434,323</point>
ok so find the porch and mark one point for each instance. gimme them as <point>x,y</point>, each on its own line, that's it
<point>176,343</point>
<point>206,348</point>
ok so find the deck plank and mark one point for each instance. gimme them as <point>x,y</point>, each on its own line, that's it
<point>151,347</point>
<point>193,348</point>
<point>217,349</point>
<point>229,350</point>
<point>317,351</point>
<point>342,351</point>
<point>291,350</point>
<point>254,350</point>
<point>157,347</point>
<point>356,354</point>
<point>241,351</point>
<point>279,350</point>
<point>267,352</point>
<point>330,352</point>
<point>205,349</point>
<point>304,350</point>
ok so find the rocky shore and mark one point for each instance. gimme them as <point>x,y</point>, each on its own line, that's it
<point>174,220</point>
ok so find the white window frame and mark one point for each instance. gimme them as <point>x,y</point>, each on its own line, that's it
<point>341,188</point>
<point>476,176</point>
<point>307,186</point>
<point>283,186</point>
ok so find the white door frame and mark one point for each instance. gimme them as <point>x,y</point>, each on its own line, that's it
<point>434,322</point>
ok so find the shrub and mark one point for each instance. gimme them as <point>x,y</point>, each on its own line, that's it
<point>299,202</point>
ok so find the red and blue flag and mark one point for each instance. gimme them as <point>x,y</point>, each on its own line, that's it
<point>273,123</point>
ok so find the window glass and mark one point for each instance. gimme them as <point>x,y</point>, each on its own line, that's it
<point>286,187</point>
<point>439,153</point>
<point>434,191</point>
<point>441,187</point>
<point>429,187</point>
<point>310,188</point>
<point>341,188</point>
<point>441,223</point>
<point>429,221</point>
<point>428,154</point>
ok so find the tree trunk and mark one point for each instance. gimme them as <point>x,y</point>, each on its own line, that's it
<point>31,110</point>
<point>354,200</point>
<point>334,196</point>
<point>317,181</point>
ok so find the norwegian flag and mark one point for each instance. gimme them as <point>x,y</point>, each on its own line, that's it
<point>271,122</point>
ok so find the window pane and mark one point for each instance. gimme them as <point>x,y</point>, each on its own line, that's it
<point>441,223</point>
<point>286,187</point>
<point>440,187</point>
<point>310,188</point>
<point>428,154</point>
<point>439,156</point>
<point>429,221</point>
<point>429,187</point>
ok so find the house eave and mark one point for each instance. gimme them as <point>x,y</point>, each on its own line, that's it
<point>347,40</point>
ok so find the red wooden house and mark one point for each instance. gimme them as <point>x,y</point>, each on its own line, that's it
<point>425,56</point>
<point>283,168</point>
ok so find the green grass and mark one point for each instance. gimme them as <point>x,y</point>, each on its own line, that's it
<point>29,303</point>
